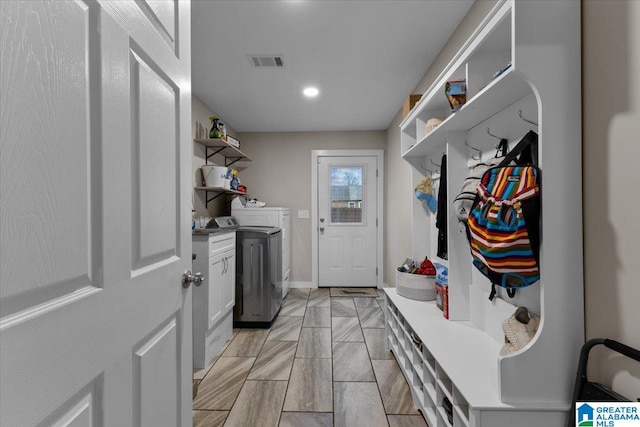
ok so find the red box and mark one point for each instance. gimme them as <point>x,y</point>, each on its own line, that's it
<point>442,299</point>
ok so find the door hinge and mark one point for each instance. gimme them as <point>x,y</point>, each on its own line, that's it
<point>376,271</point>
<point>376,222</point>
<point>376,173</point>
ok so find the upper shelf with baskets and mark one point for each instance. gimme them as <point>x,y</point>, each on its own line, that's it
<point>491,83</point>
<point>232,156</point>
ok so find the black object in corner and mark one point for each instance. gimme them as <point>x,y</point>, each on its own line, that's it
<point>588,391</point>
<point>441,214</point>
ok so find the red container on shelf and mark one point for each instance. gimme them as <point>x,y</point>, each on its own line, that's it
<point>442,299</point>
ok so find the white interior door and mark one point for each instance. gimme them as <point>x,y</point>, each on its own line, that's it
<point>95,326</point>
<point>347,221</point>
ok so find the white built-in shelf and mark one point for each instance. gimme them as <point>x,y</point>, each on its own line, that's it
<point>468,355</point>
<point>503,91</point>
<point>532,385</point>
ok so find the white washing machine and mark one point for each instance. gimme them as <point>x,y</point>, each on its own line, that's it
<point>273,217</point>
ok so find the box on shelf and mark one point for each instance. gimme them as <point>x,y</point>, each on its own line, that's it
<point>442,289</point>
<point>409,103</point>
<point>442,298</point>
<point>456,91</point>
<point>416,286</point>
<point>232,141</point>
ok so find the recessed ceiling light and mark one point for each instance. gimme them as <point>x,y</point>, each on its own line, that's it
<point>310,92</point>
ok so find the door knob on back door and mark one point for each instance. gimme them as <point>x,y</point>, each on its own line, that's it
<point>322,229</point>
<point>188,279</point>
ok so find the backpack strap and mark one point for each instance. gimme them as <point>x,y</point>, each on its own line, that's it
<point>493,292</point>
<point>510,291</point>
<point>502,148</point>
<point>527,149</point>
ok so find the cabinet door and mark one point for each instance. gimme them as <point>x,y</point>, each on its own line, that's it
<point>215,283</point>
<point>229,281</point>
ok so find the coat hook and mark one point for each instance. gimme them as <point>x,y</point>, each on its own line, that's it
<point>495,136</point>
<point>426,169</point>
<point>526,120</point>
<point>473,148</point>
<point>436,165</point>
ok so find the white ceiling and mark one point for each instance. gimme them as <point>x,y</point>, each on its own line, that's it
<point>365,57</point>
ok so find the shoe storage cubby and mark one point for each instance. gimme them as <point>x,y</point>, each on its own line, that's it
<point>428,380</point>
<point>522,71</point>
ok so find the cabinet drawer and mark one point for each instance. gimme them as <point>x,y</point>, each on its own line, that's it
<point>221,243</point>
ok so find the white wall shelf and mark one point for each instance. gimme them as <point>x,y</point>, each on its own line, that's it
<point>459,358</point>
<point>498,95</point>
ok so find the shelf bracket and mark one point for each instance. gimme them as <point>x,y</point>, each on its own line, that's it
<point>208,156</point>
<point>233,160</point>
<point>213,198</point>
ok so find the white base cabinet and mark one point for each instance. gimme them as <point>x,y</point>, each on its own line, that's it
<point>213,301</point>
<point>457,361</point>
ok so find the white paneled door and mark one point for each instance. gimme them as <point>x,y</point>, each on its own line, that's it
<point>347,221</point>
<point>95,325</point>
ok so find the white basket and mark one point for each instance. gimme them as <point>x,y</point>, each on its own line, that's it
<point>416,286</point>
<point>214,175</point>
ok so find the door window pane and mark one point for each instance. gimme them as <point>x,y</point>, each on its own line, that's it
<point>346,192</point>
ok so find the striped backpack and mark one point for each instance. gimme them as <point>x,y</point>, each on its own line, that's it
<point>504,223</point>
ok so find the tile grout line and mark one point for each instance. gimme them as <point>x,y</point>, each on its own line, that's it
<point>244,380</point>
<point>333,389</point>
<point>292,363</point>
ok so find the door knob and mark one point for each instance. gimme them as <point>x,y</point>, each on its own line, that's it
<point>322,229</point>
<point>188,279</point>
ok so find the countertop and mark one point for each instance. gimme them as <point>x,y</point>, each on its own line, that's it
<point>209,231</point>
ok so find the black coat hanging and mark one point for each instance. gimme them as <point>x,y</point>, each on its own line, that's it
<point>441,214</point>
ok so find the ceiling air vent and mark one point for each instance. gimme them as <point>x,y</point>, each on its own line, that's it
<point>266,61</point>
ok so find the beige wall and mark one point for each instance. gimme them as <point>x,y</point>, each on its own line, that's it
<point>200,113</point>
<point>280,174</point>
<point>399,191</point>
<point>611,156</point>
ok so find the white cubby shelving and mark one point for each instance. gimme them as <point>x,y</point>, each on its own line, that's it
<point>536,45</point>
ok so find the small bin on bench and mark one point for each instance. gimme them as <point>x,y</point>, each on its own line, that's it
<point>416,286</point>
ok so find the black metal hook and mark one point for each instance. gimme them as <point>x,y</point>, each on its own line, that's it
<point>426,169</point>
<point>526,120</point>
<point>473,148</point>
<point>435,164</point>
<point>495,136</point>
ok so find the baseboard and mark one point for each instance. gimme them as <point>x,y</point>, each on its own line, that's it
<point>307,285</point>
<point>304,285</point>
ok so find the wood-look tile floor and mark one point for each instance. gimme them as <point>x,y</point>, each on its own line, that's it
<point>322,363</point>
